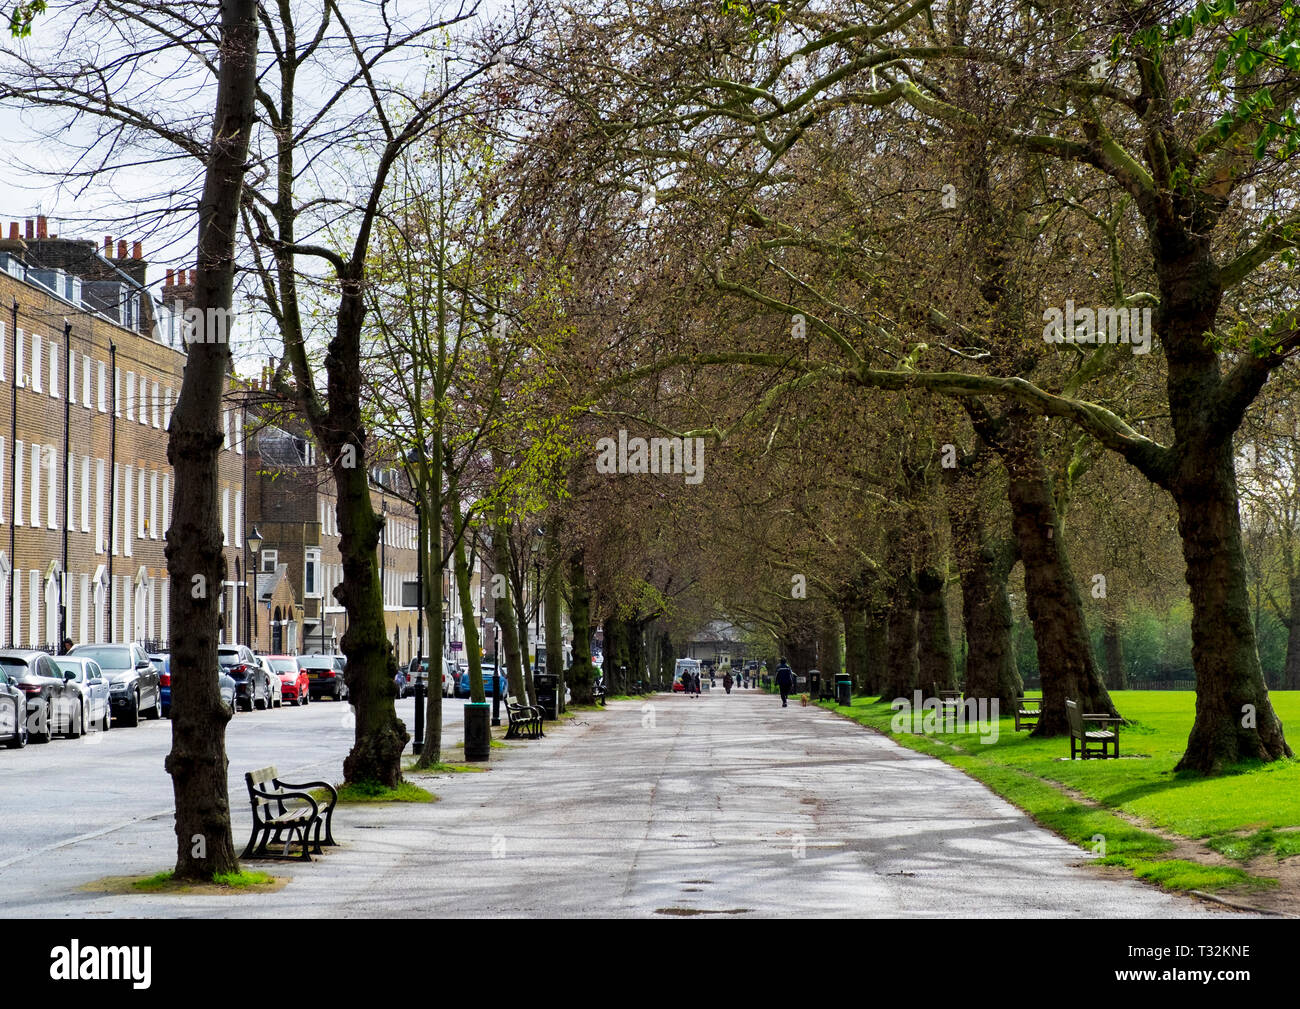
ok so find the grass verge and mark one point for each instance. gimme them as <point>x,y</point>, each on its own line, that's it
<point>1114,807</point>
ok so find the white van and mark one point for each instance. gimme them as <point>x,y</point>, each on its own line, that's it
<point>684,665</point>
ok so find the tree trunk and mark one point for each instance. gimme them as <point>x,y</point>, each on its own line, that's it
<point>875,650</point>
<point>553,615</point>
<point>936,669</point>
<point>830,658</point>
<point>432,602</point>
<point>473,647</point>
<point>902,668</point>
<point>380,736</point>
<point>855,644</point>
<point>1066,663</point>
<point>983,564</point>
<point>1113,646</point>
<point>1291,674</point>
<point>1234,719</point>
<point>582,672</point>
<point>502,608</point>
<point>197,762</point>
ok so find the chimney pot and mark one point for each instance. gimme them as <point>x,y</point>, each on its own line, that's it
<point>41,224</point>
<point>168,281</point>
<point>137,250</point>
<point>108,246</point>
<point>194,277</point>
<point>31,229</point>
<point>13,231</point>
<point>121,248</point>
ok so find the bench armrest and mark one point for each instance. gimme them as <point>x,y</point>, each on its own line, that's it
<point>334,792</point>
<point>281,796</point>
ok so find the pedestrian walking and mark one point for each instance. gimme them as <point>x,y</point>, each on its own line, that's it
<point>66,647</point>
<point>784,681</point>
<point>727,681</point>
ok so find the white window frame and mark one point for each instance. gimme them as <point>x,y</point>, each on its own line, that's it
<point>103,387</point>
<point>85,498</point>
<point>130,395</point>
<point>153,504</point>
<point>312,565</point>
<point>267,555</point>
<point>34,518</point>
<point>37,353</point>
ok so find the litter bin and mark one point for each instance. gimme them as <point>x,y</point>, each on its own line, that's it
<point>814,684</point>
<point>844,689</point>
<point>478,731</point>
<point>547,686</point>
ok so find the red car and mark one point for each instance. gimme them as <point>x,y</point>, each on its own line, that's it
<point>293,679</point>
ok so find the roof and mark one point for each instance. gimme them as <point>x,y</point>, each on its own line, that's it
<point>268,582</point>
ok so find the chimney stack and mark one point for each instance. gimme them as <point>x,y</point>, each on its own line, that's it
<point>41,227</point>
<point>137,250</point>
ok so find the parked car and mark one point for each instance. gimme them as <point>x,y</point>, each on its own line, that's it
<point>415,670</point>
<point>295,685</point>
<point>324,676</point>
<point>275,696</point>
<point>229,688</point>
<point>13,711</point>
<point>252,681</point>
<point>133,680</point>
<point>462,685</point>
<point>162,661</point>
<point>50,701</point>
<point>94,699</point>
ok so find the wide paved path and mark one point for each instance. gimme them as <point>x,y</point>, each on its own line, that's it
<point>678,806</point>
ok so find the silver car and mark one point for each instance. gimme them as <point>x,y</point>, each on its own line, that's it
<point>91,687</point>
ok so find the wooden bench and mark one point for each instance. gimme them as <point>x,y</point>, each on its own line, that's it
<point>948,699</point>
<point>284,811</point>
<point>1088,740</point>
<point>1028,711</point>
<point>524,719</point>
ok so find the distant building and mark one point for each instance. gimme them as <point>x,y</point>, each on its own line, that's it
<point>90,370</point>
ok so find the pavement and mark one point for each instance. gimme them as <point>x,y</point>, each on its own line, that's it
<point>675,806</point>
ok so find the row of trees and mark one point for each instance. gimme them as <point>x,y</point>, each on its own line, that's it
<point>838,247</point>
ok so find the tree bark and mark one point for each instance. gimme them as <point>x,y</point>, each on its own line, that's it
<point>1066,663</point>
<point>553,615</point>
<point>502,608</point>
<point>855,644</point>
<point>875,651</point>
<point>582,672</point>
<point>830,657</point>
<point>197,762</point>
<point>1113,646</point>
<point>431,572</point>
<point>983,563</point>
<point>902,668</point>
<point>936,668</point>
<point>380,736</point>
<point>1291,674</point>
<point>1234,719</point>
<point>473,647</point>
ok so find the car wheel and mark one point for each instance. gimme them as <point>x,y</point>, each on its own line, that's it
<point>45,734</point>
<point>156,711</point>
<point>77,727</point>
<point>108,716</point>
<point>132,717</point>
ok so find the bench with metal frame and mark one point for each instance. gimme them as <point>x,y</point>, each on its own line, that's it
<point>525,719</point>
<point>285,811</point>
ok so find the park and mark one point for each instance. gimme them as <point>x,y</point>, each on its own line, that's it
<point>752,459</point>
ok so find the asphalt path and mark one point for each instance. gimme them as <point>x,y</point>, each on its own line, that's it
<point>673,807</point>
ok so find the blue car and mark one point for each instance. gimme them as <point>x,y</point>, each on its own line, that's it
<point>163,663</point>
<point>462,685</point>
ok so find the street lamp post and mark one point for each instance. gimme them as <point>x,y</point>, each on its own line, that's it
<point>254,541</point>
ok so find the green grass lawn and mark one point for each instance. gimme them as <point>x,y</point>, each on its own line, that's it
<point>1253,811</point>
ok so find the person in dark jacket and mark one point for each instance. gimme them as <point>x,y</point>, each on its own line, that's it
<point>784,681</point>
